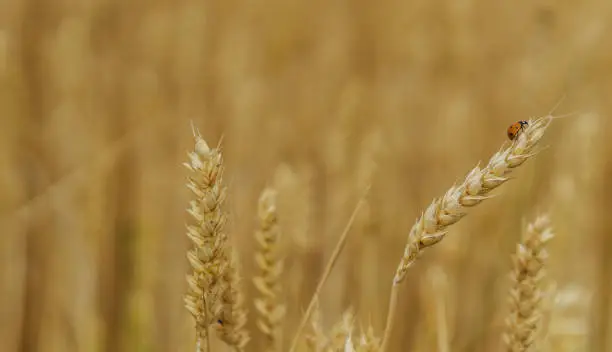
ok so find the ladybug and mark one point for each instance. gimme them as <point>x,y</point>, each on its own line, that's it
<point>516,128</point>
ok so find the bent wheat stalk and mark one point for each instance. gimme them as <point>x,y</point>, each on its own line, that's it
<point>430,228</point>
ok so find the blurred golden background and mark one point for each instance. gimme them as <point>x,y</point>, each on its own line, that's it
<point>316,98</point>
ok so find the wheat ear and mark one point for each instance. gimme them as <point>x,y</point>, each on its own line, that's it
<point>368,341</point>
<point>341,333</point>
<point>207,257</point>
<point>270,310</point>
<point>231,324</point>
<point>526,294</point>
<point>430,228</point>
<point>316,341</point>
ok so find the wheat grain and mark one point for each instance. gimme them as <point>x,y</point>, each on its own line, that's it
<point>526,294</point>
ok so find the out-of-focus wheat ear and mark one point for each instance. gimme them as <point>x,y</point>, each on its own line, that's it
<point>232,321</point>
<point>348,344</point>
<point>341,331</point>
<point>526,293</point>
<point>207,257</point>
<point>368,341</point>
<point>268,306</point>
<point>431,227</point>
<point>569,328</point>
<point>316,341</point>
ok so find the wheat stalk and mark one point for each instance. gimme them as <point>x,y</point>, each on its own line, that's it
<point>526,294</point>
<point>430,228</point>
<point>271,312</point>
<point>207,257</point>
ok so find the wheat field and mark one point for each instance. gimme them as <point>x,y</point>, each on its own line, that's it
<point>339,122</point>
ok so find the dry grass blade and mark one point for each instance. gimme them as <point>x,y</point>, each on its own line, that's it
<point>526,294</point>
<point>430,228</point>
<point>270,310</point>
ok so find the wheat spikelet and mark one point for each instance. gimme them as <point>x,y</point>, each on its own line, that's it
<point>430,228</point>
<point>271,312</point>
<point>207,257</point>
<point>526,294</point>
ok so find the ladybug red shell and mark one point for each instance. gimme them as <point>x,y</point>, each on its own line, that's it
<point>516,128</point>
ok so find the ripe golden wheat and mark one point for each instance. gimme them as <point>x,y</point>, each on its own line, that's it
<point>431,227</point>
<point>214,297</point>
